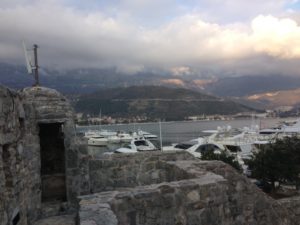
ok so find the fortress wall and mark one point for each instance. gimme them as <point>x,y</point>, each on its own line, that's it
<point>198,192</point>
<point>18,178</point>
<point>39,154</point>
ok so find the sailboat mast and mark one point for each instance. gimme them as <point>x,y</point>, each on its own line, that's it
<point>160,136</point>
<point>100,115</point>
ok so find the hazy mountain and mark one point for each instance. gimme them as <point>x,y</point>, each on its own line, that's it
<point>250,85</point>
<point>155,102</point>
<point>76,81</point>
<point>83,81</point>
<point>277,98</point>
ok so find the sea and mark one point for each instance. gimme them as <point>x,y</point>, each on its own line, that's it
<point>177,131</point>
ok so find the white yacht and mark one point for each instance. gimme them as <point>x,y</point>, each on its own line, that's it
<point>108,133</point>
<point>283,131</point>
<point>103,137</point>
<point>270,135</point>
<point>97,141</point>
<point>237,141</point>
<point>181,146</point>
<point>196,146</point>
<point>147,135</point>
<point>136,145</point>
<point>91,133</point>
<point>120,137</point>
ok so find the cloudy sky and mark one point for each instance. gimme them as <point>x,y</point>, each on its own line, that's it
<point>205,37</point>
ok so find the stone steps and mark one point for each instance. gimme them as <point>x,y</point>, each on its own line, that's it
<point>57,220</point>
<point>54,209</point>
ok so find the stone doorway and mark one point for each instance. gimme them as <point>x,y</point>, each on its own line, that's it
<point>53,176</point>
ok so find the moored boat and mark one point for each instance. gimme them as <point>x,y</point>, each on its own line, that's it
<point>97,141</point>
<point>147,135</point>
<point>137,145</point>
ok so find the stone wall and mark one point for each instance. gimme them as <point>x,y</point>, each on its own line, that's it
<point>292,204</point>
<point>182,191</point>
<point>21,114</point>
<point>18,183</point>
<point>44,106</point>
<point>121,170</point>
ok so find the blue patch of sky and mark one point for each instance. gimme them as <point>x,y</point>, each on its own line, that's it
<point>90,5</point>
<point>102,4</point>
<point>114,8</point>
<point>154,17</point>
<point>294,5</point>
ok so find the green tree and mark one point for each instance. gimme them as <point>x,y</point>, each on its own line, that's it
<point>277,162</point>
<point>223,156</point>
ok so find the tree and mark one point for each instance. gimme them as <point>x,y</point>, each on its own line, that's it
<point>223,156</point>
<point>277,162</point>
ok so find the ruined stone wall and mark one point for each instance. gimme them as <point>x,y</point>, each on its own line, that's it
<point>21,114</point>
<point>78,180</point>
<point>198,192</point>
<point>44,106</point>
<point>293,205</point>
<point>116,171</point>
<point>18,190</point>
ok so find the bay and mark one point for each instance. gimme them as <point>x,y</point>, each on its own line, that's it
<point>178,131</point>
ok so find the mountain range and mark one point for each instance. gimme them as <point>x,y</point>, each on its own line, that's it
<point>155,102</point>
<point>249,90</point>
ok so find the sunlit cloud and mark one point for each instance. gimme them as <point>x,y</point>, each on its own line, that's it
<point>276,37</point>
<point>183,44</point>
<point>181,71</point>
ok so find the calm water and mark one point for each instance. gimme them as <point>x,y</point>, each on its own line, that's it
<point>173,132</point>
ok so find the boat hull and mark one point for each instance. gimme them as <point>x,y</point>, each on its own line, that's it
<point>97,142</point>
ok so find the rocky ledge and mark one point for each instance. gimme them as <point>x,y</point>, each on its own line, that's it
<point>203,193</point>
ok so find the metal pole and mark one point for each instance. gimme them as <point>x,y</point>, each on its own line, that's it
<point>160,136</point>
<point>100,118</point>
<point>36,69</point>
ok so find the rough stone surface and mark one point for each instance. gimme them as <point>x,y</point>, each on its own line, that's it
<point>17,179</point>
<point>21,113</point>
<point>292,204</point>
<point>115,171</point>
<point>199,192</point>
<point>57,220</point>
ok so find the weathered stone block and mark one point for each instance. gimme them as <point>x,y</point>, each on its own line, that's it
<point>72,159</point>
<point>95,165</point>
<point>203,198</point>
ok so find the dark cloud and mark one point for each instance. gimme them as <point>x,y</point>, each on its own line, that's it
<point>69,37</point>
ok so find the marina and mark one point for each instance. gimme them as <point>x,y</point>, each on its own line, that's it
<point>171,132</point>
<point>239,139</point>
<point>178,131</point>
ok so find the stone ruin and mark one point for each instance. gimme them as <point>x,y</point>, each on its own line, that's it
<point>38,153</point>
<point>46,171</point>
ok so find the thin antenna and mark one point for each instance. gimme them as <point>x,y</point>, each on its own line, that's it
<point>29,65</point>
<point>36,66</point>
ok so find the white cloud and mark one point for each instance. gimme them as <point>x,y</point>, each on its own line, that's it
<point>72,38</point>
<point>276,37</point>
<point>181,71</point>
<point>224,11</point>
